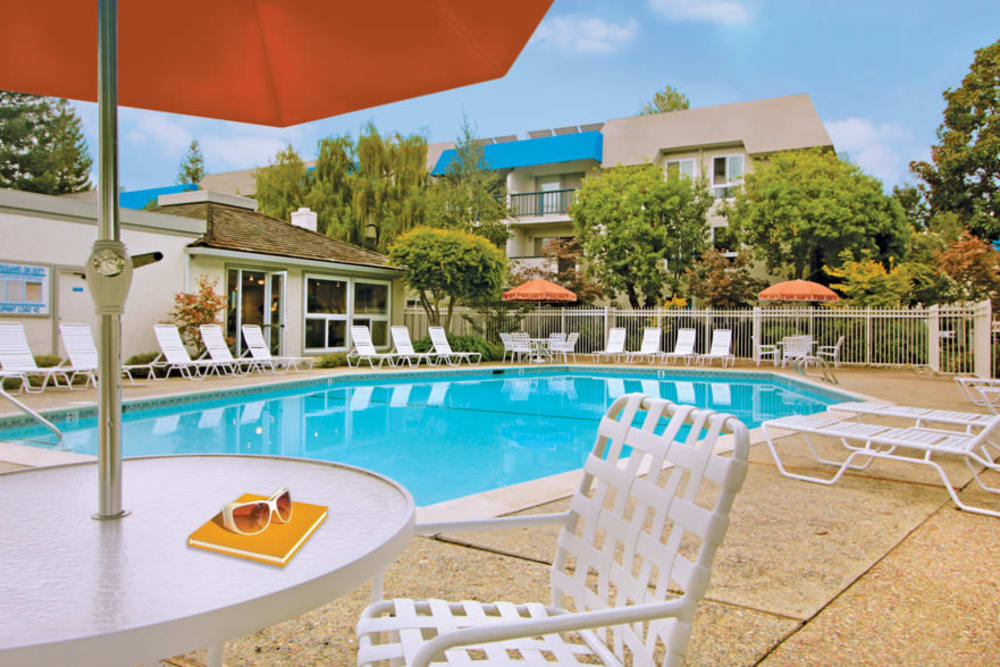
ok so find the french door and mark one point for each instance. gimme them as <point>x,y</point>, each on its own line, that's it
<point>256,297</point>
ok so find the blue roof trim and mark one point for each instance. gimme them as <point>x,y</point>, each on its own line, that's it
<point>527,152</point>
<point>138,199</point>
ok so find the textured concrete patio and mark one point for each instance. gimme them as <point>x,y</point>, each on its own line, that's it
<point>879,568</point>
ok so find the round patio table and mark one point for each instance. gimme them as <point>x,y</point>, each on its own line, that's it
<point>78,591</point>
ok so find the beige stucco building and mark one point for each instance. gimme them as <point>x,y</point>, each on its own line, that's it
<point>304,288</point>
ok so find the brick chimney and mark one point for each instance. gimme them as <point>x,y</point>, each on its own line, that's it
<point>304,218</point>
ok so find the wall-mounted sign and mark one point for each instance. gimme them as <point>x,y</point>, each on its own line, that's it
<point>24,289</point>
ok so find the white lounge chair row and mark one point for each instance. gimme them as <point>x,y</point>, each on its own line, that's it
<point>217,358</point>
<point>649,348</point>
<point>363,349</point>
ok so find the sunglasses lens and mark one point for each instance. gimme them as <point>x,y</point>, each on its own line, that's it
<point>252,517</point>
<point>284,505</point>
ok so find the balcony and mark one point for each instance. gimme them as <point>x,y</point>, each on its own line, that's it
<point>549,202</point>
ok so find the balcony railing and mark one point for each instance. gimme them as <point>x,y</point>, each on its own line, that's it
<point>548,202</point>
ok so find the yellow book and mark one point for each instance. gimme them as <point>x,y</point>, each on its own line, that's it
<point>275,545</point>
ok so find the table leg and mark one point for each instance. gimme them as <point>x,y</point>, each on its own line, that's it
<point>214,658</point>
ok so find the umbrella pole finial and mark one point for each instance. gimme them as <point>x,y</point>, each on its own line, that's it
<point>108,271</point>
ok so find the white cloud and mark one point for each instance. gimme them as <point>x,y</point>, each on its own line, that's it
<point>156,131</point>
<point>712,11</point>
<point>244,152</point>
<point>584,34</point>
<point>881,150</point>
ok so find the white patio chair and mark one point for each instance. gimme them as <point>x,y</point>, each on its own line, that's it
<point>618,556</point>
<point>260,352</point>
<point>876,441</point>
<point>78,340</point>
<point>761,352</point>
<point>218,351</point>
<point>615,347</point>
<point>649,348</point>
<point>831,352</point>
<point>970,421</point>
<point>684,347</point>
<point>521,346</point>
<point>363,349</point>
<point>17,361</point>
<point>984,392</point>
<point>174,356</point>
<point>721,348</point>
<point>565,348</point>
<point>402,347</point>
<point>556,339</point>
<point>508,346</point>
<point>441,345</point>
<point>797,349</point>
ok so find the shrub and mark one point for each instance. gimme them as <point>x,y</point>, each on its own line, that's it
<point>331,360</point>
<point>47,360</point>
<point>192,309</point>
<point>141,359</point>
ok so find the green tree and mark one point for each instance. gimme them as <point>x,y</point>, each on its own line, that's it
<point>914,205</point>
<point>192,168</point>
<point>331,190</point>
<point>640,232</point>
<point>975,267</point>
<point>469,195</point>
<point>799,210</point>
<point>282,185</point>
<point>449,266</point>
<point>964,173</point>
<point>42,148</point>
<point>668,99</point>
<point>866,283</point>
<point>722,282</point>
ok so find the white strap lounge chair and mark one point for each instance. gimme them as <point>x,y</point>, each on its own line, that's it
<point>218,351</point>
<point>260,352</point>
<point>615,347</point>
<point>984,392</point>
<point>17,361</point>
<point>831,352</point>
<point>971,421</point>
<point>684,348</point>
<point>441,345</point>
<point>722,348</point>
<point>761,352</point>
<point>402,347</point>
<point>363,349</point>
<point>507,340</point>
<point>634,590</point>
<point>174,356</point>
<point>78,340</point>
<point>868,442</point>
<point>565,348</point>
<point>649,348</point>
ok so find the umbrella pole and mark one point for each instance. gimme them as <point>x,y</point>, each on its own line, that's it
<point>108,271</point>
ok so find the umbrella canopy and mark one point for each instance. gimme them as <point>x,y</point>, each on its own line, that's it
<point>539,290</point>
<point>798,290</point>
<point>272,62</point>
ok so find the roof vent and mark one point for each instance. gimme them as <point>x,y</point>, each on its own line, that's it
<point>305,218</point>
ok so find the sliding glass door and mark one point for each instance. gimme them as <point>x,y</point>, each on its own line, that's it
<point>256,297</point>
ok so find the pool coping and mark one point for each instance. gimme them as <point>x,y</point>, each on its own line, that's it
<point>495,502</point>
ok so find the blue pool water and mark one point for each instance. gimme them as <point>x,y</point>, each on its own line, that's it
<point>442,436</point>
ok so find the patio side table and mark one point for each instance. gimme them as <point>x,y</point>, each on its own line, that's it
<point>84,592</point>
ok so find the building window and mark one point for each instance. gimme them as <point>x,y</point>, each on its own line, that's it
<point>371,309</point>
<point>727,175</point>
<point>676,168</point>
<point>542,241</point>
<point>333,304</point>
<point>326,313</point>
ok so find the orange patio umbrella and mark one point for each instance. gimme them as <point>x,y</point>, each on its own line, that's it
<point>273,62</point>
<point>539,290</point>
<point>798,290</point>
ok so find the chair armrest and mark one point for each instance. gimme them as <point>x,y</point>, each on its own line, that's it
<point>499,523</point>
<point>563,622</point>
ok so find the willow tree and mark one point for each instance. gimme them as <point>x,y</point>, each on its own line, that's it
<point>282,186</point>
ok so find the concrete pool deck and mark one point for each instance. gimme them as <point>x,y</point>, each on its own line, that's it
<point>878,568</point>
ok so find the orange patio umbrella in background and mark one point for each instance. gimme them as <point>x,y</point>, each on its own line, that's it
<point>798,290</point>
<point>539,290</point>
<point>272,62</point>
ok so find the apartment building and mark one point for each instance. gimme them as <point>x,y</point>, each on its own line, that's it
<point>544,171</point>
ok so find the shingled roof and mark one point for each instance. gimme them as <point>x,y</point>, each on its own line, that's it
<point>240,229</point>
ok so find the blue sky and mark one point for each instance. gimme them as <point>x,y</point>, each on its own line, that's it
<point>875,71</point>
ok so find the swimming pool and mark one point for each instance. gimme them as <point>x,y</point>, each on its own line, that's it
<point>443,435</point>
